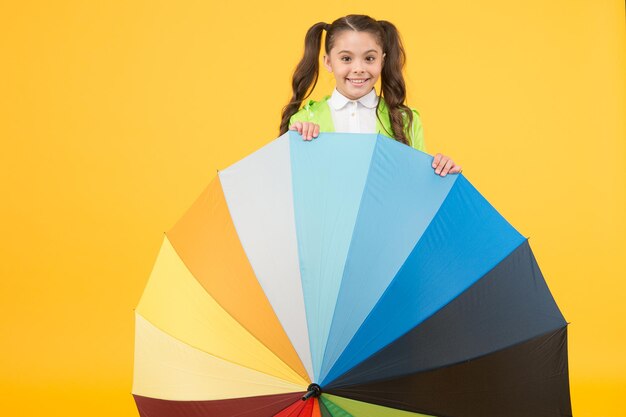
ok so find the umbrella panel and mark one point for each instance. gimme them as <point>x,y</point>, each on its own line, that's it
<point>263,406</point>
<point>528,379</point>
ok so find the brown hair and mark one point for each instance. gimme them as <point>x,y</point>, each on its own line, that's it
<point>393,88</point>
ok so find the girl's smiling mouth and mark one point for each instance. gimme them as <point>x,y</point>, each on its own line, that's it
<point>357,81</point>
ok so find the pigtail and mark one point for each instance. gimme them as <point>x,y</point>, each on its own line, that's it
<point>393,88</point>
<point>305,75</point>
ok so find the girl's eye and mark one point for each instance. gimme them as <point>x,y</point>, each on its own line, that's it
<point>368,59</point>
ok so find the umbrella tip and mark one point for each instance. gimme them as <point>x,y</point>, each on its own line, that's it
<point>314,390</point>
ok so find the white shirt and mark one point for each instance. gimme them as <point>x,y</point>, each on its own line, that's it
<point>354,116</point>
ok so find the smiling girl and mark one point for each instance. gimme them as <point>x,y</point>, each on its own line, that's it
<point>358,51</point>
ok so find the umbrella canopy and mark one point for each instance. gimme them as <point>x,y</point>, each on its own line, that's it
<point>342,277</point>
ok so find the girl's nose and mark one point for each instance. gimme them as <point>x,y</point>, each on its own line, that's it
<point>358,66</point>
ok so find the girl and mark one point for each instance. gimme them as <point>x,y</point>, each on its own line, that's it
<point>359,50</point>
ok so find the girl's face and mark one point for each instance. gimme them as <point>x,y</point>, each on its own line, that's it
<point>356,61</point>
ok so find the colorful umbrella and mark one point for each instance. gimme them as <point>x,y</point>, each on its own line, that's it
<point>342,277</point>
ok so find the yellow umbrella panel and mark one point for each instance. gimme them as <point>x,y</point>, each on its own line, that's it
<point>177,304</point>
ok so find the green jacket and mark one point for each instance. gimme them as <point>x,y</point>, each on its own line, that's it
<point>319,112</point>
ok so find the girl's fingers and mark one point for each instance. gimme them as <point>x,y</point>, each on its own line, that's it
<point>310,130</point>
<point>441,164</point>
<point>305,131</point>
<point>455,169</point>
<point>296,126</point>
<point>437,160</point>
<point>446,167</point>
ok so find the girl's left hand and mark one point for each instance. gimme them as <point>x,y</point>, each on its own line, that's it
<point>443,165</point>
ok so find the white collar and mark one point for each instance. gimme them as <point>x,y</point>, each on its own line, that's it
<point>338,100</point>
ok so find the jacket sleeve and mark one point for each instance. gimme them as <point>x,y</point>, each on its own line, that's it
<point>417,132</point>
<point>302,115</point>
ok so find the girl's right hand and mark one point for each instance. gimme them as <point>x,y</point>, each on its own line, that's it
<point>308,130</point>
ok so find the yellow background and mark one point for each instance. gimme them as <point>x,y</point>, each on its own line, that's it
<point>115,115</point>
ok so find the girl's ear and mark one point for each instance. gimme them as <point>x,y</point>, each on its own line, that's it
<point>327,63</point>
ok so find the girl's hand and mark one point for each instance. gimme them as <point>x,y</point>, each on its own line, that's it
<point>308,130</point>
<point>443,165</point>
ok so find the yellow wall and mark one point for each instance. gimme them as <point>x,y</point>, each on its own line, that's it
<point>114,115</point>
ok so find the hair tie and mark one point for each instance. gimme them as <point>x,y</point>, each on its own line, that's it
<point>326,27</point>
